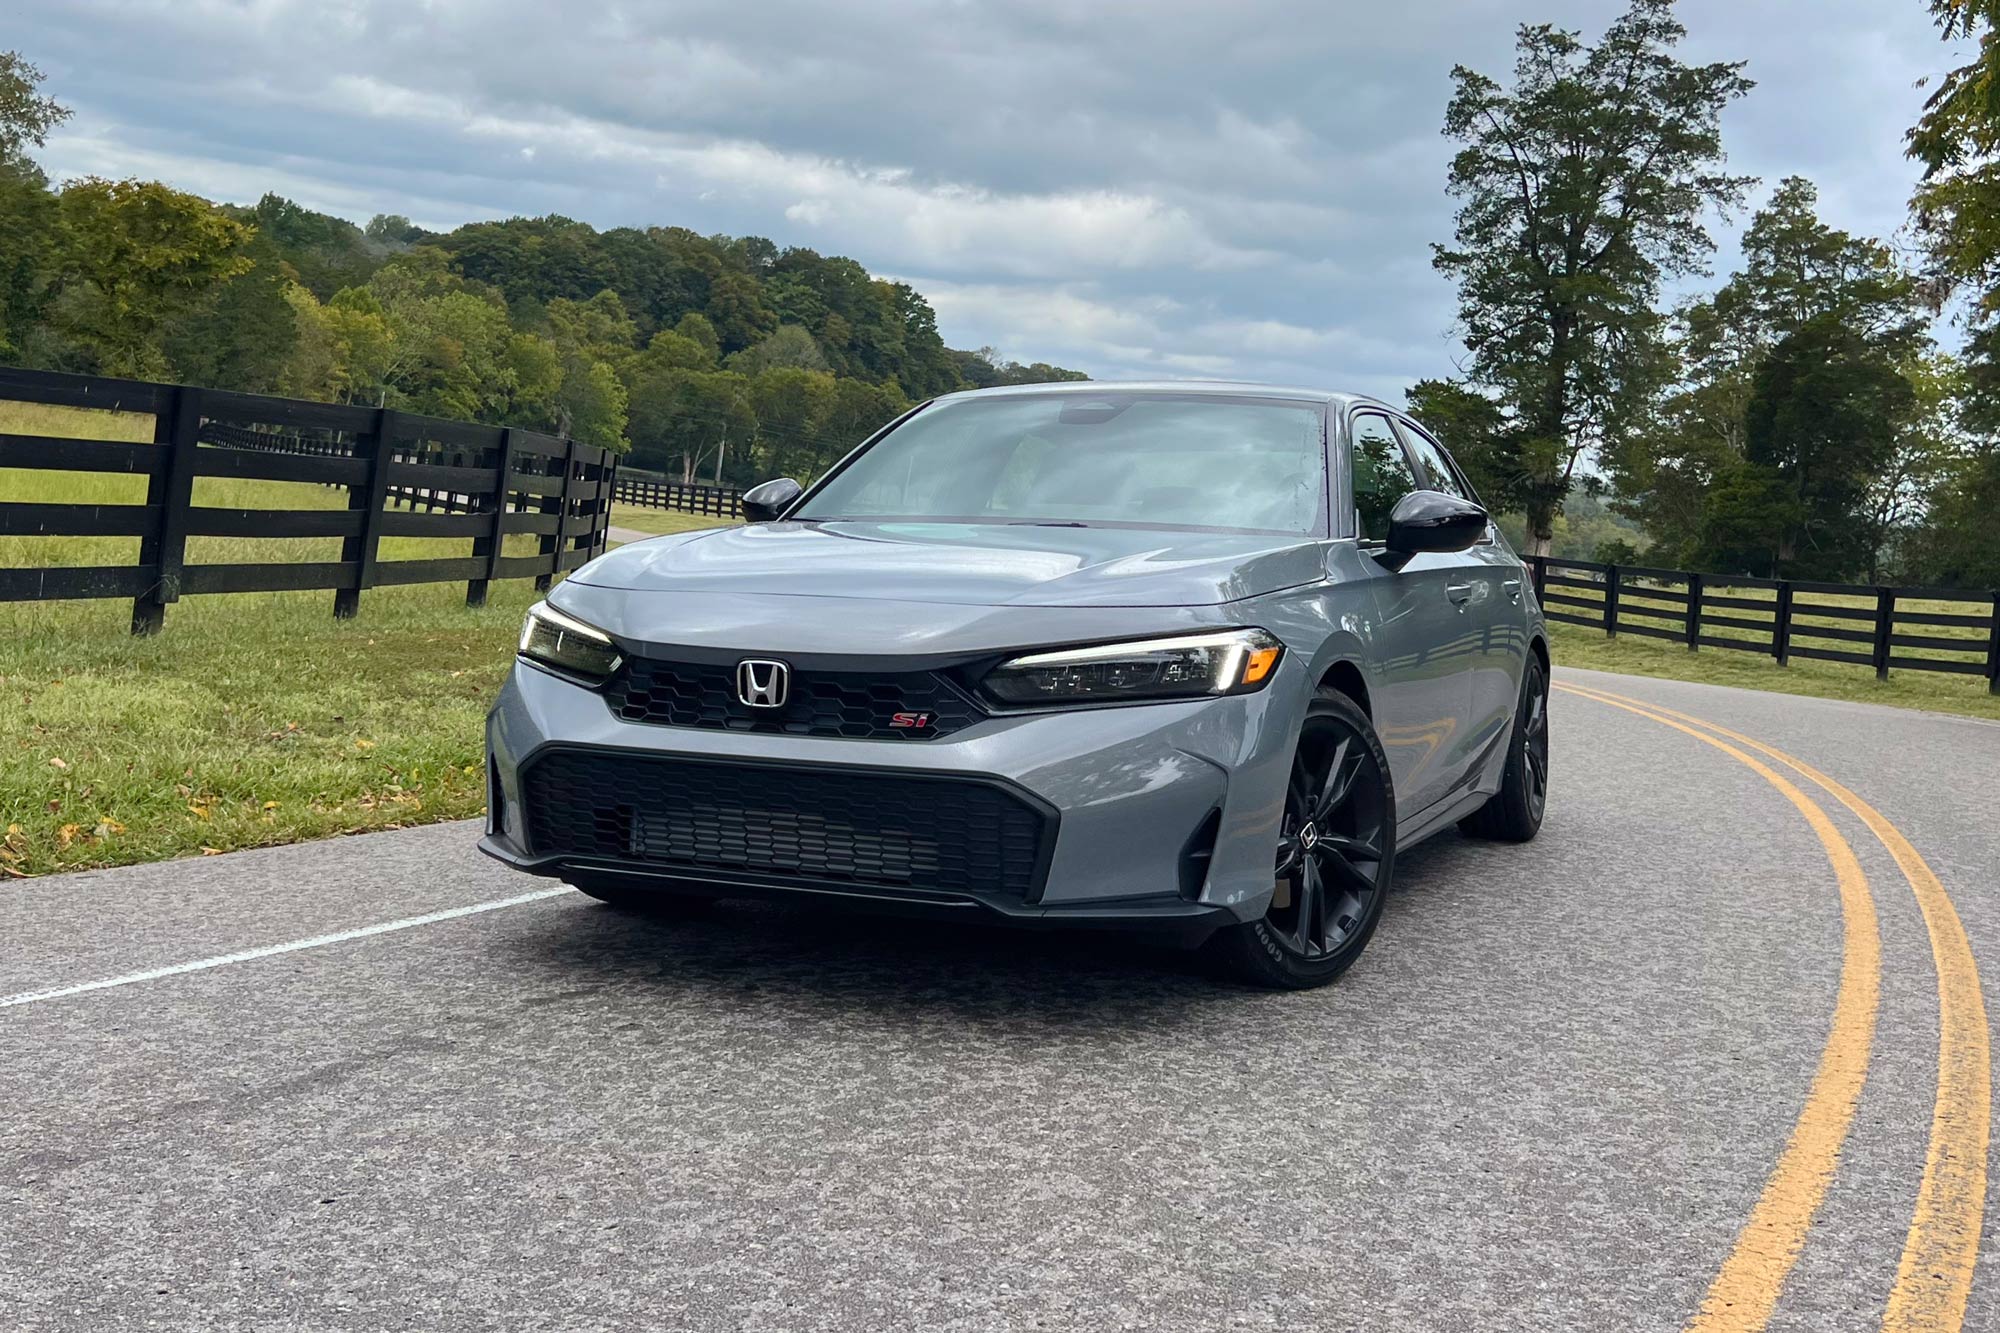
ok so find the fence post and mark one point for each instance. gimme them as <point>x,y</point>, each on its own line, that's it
<point>1540,564</point>
<point>372,498</point>
<point>490,545</point>
<point>1611,601</point>
<point>607,492</point>
<point>554,545</point>
<point>1781,628</point>
<point>1694,584</point>
<point>1885,625</point>
<point>178,428</point>
<point>1993,646</point>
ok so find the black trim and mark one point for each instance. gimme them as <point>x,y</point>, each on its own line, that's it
<point>1186,923</point>
<point>1044,858</point>
<point>1198,855</point>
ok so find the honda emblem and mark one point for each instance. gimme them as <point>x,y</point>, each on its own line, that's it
<point>763,684</point>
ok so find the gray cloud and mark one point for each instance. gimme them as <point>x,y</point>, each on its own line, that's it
<point>1133,187</point>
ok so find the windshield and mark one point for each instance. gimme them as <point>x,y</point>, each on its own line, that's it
<point>1137,459</point>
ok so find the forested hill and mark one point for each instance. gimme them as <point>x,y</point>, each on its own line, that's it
<point>714,356</point>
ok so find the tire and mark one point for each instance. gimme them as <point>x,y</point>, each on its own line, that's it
<point>1343,867</point>
<point>1514,814</point>
<point>637,895</point>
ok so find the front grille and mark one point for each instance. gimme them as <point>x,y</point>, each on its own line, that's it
<point>854,705</point>
<point>825,825</point>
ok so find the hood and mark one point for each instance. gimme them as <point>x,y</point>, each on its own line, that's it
<point>964,564</point>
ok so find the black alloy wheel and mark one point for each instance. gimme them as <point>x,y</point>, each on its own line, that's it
<point>1335,856</point>
<point>1514,814</point>
<point>1537,748</point>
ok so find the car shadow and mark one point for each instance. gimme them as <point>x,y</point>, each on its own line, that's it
<point>826,958</point>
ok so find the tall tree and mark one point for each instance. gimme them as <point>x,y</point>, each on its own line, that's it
<point>1678,470</point>
<point>136,255</point>
<point>1957,204</point>
<point>1825,409</point>
<point>1581,188</point>
<point>26,115</point>
<point>29,227</point>
<point>1475,429</point>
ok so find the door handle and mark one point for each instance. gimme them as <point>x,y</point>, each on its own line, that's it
<point>1460,593</point>
<point>1512,587</point>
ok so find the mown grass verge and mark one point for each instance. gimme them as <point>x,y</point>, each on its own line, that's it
<point>251,719</point>
<point>254,719</point>
<point>1581,646</point>
<point>658,522</point>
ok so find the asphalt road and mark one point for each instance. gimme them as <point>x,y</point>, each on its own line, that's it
<point>1549,1097</point>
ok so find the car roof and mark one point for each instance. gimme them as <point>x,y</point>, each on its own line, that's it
<point>1218,388</point>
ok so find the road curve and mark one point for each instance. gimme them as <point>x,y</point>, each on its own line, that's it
<point>1554,1094</point>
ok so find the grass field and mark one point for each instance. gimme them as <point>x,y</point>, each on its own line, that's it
<point>661,521</point>
<point>1578,646</point>
<point>254,718</point>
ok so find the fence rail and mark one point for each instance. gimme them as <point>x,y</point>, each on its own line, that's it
<point>399,470</point>
<point>1886,628</point>
<point>722,501</point>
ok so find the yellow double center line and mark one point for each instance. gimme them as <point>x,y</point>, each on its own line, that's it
<point>1934,1277</point>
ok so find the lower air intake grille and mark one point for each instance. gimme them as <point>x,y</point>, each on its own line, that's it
<point>808,825</point>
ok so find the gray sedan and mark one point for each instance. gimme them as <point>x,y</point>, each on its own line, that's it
<point>1189,658</point>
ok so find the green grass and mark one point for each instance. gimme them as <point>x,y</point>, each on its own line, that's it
<point>1579,646</point>
<point>659,521</point>
<point>253,718</point>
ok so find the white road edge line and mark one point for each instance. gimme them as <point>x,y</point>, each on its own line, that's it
<point>248,955</point>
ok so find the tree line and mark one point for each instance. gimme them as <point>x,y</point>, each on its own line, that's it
<point>715,358</point>
<point>1800,419</point>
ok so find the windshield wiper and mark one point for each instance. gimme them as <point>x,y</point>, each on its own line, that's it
<point>1047,523</point>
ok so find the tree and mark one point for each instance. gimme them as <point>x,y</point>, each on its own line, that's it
<point>393,231</point>
<point>590,406</point>
<point>344,350</point>
<point>790,347</point>
<point>1957,203</point>
<point>792,407</point>
<point>240,337</point>
<point>1924,455</point>
<point>1580,189</point>
<point>30,242</point>
<point>30,226</point>
<point>26,116</point>
<point>1796,268</point>
<point>137,253</point>
<point>599,326</point>
<point>1954,546</point>
<point>1476,431</point>
<point>1825,407</point>
<point>1797,271</point>
<point>325,253</point>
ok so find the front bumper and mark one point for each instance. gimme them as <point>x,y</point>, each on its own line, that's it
<point>1160,815</point>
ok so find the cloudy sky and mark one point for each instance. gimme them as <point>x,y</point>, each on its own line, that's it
<point>1132,187</point>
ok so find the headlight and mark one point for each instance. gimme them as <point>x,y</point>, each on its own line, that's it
<point>1193,666</point>
<point>567,644</point>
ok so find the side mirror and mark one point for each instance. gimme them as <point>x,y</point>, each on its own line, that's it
<point>766,500</point>
<point>1431,521</point>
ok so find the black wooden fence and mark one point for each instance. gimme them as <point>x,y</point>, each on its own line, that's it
<point>490,482</point>
<point>658,493</point>
<point>1902,629</point>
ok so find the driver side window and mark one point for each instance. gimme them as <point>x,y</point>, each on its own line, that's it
<point>1381,475</point>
